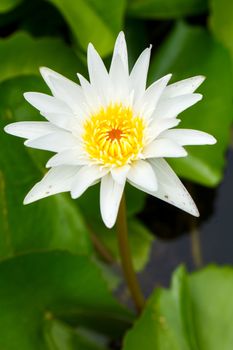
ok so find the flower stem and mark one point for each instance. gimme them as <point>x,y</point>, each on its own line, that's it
<point>126,258</point>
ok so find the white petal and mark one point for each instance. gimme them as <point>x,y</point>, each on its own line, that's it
<point>158,126</point>
<point>141,174</point>
<point>46,103</point>
<point>138,75</point>
<point>189,137</point>
<point>49,75</point>
<point>65,90</point>
<point>152,95</point>
<point>119,80</point>
<point>119,174</point>
<point>73,156</point>
<point>67,121</point>
<point>57,180</point>
<point>110,197</point>
<point>120,49</point>
<point>171,107</point>
<point>30,130</point>
<point>98,74</point>
<point>171,189</point>
<point>183,87</point>
<point>90,94</point>
<point>55,142</point>
<point>86,177</point>
<point>163,148</point>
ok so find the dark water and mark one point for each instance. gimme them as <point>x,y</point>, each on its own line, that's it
<point>172,227</point>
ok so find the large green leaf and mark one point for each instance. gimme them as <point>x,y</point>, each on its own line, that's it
<point>22,55</point>
<point>221,22</point>
<point>7,5</point>
<point>39,287</point>
<point>166,8</point>
<point>52,223</point>
<point>195,314</point>
<point>93,21</point>
<point>190,51</point>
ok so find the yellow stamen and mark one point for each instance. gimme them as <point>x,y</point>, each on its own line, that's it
<point>114,136</point>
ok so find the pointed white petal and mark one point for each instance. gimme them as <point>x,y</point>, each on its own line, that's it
<point>120,49</point>
<point>71,156</point>
<point>90,94</point>
<point>30,130</point>
<point>164,148</point>
<point>46,103</point>
<point>152,95</point>
<point>67,121</point>
<point>49,75</point>
<point>171,189</point>
<point>64,89</point>
<point>55,142</point>
<point>158,126</point>
<point>119,80</point>
<point>171,107</point>
<point>98,73</point>
<point>119,174</point>
<point>110,197</point>
<point>85,178</point>
<point>142,174</point>
<point>57,180</point>
<point>189,137</point>
<point>183,87</point>
<point>138,75</point>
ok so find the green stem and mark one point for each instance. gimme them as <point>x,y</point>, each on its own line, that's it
<point>126,258</point>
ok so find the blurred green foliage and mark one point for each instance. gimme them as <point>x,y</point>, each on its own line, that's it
<point>7,5</point>
<point>22,54</point>
<point>93,21</point>
<point>160,9</point>
<point>53,291</point>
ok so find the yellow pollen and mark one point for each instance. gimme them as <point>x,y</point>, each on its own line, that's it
<point>113,136</point>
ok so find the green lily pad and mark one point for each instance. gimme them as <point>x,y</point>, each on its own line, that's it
<point>195,313</point>
<point>39,287</point>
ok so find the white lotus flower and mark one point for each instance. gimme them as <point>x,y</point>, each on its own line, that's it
<point>112,129</point>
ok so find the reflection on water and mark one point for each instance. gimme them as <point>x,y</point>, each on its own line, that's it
<point>173,246</point>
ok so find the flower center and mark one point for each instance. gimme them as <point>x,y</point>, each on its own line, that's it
<point>113,136</point>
